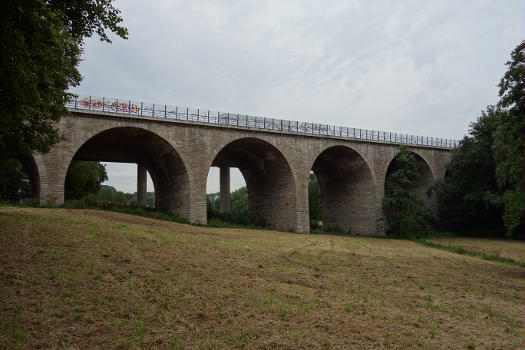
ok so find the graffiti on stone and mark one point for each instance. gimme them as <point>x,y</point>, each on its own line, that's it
<point>108,105</point>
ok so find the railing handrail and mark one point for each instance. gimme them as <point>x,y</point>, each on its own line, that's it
<point>243,120</point>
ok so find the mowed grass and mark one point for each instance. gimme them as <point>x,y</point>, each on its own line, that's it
<point>509,249</point>
<point>91,279</point>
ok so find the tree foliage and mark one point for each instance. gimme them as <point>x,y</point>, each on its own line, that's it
<point>406,214</point>
<point>40,48</point>
<point>485,183</point>
<point>238,198</point>
<point>13,177</point>
<point>314,199</point>
<point>239,201</point>
<point>509,142</point>
<point>83,178</point>
<point>462,195</point>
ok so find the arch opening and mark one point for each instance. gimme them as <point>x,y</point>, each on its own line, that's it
<point>150,152</point>
<point>423,183</point>
<point>269,181</point>
<point>346,190</point>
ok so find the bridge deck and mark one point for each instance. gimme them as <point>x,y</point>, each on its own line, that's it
<point>176,113</point>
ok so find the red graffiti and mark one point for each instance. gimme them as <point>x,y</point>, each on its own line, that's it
<point>113,106</point>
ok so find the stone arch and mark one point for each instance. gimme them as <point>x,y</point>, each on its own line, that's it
<point>269,180</point>
<point>425,181</point>
<point>138,145</point>
<point>347,190</point>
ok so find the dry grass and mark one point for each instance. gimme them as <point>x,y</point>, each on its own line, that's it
<point>92,279</point>
<point>510,249</point>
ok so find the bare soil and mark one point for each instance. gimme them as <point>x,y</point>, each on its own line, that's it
<point>81,279</point>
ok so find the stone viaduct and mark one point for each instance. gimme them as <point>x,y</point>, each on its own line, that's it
<point>275,162</point>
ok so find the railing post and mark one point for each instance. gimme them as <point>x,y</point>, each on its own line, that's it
<point>281,125</point>
<point>264,123</point>
<point>129,106</point>
<point>153,111</point>
<point>218,117</point>
<point>237,119</point>
<point>208,116</point>
<point>187,113</point>
<point>198,114</point>
<point>141,107</point>
<point>165,112</point>
<point>103,104</point>
<point>89,106</point>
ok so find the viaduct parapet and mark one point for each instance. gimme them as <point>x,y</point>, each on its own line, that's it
<point>275,163</point>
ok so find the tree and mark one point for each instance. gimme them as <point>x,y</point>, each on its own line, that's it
<point>40,46</point>
<point>12,178</point>
<point>406,214</point>
<point>462,195</point>
<point>83,178</point>
<point>509,142</point>
<point>485,186</point>
<point>314,199</point>
<point>239,200</point>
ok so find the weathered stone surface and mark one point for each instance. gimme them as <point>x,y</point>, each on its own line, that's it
<point>275,165</point>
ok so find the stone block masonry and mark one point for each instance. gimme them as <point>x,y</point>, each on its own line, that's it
<point>275,164</point>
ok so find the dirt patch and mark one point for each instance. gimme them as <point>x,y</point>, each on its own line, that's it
<point>95,279</point>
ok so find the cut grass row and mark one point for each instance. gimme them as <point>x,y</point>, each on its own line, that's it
<point>469,252</point>
<point>219,223</point>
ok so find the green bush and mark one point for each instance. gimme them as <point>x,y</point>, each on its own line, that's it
<point>406,214</point>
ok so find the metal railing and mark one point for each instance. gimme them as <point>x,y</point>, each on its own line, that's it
<point>242,120</point>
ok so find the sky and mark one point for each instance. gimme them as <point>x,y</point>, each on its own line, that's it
<point>418,67</point>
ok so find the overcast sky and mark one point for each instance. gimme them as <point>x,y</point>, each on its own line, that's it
<point>417,67</point>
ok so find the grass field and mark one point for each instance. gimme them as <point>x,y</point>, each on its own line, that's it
<point>79,279</point>
<point>505,249</point>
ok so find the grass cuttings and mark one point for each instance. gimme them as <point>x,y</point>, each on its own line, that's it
<point>472,252</point>
<point>99,279</point>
